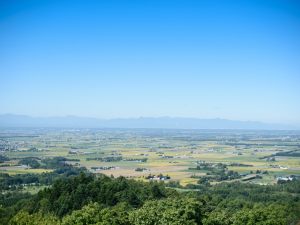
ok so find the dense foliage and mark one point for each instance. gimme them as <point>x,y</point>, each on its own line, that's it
<point>72,194</point>
<point>82,198</point>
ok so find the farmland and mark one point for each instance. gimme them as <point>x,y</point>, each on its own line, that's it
<point>184,156</point>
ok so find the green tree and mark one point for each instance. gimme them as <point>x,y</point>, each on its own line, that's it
<point>93,214</point>
<point>262,215</point>
<point>89,214</point>
<point>24,218</point>
<point>182,211</point>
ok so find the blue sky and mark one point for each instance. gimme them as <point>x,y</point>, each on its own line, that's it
<point>205,59</point>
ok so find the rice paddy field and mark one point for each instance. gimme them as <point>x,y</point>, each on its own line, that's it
<point>139,153</point>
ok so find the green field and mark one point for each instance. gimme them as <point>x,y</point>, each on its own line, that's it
<point>175,153</point>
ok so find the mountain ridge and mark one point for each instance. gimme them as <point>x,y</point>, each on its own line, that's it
<point>13,120</point>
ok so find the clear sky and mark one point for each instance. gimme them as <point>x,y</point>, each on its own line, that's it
<point>205,59</point>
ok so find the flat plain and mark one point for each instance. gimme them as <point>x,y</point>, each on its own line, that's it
<point>184,156</point>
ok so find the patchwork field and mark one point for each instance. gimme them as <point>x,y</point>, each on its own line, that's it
<point>185,156</point>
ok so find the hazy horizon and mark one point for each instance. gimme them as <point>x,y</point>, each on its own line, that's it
<point>129,117</point>
<point>296,124</point>
<point>71,121</point>
<point>235,60</point>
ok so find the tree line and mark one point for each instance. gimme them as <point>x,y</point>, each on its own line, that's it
<point>84,198</point>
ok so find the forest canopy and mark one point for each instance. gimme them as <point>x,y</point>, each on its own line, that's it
<point>83,198</point>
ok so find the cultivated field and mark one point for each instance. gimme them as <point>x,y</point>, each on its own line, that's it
<point>176,155</point>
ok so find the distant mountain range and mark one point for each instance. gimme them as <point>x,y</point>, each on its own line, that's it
<point>11,120</point>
